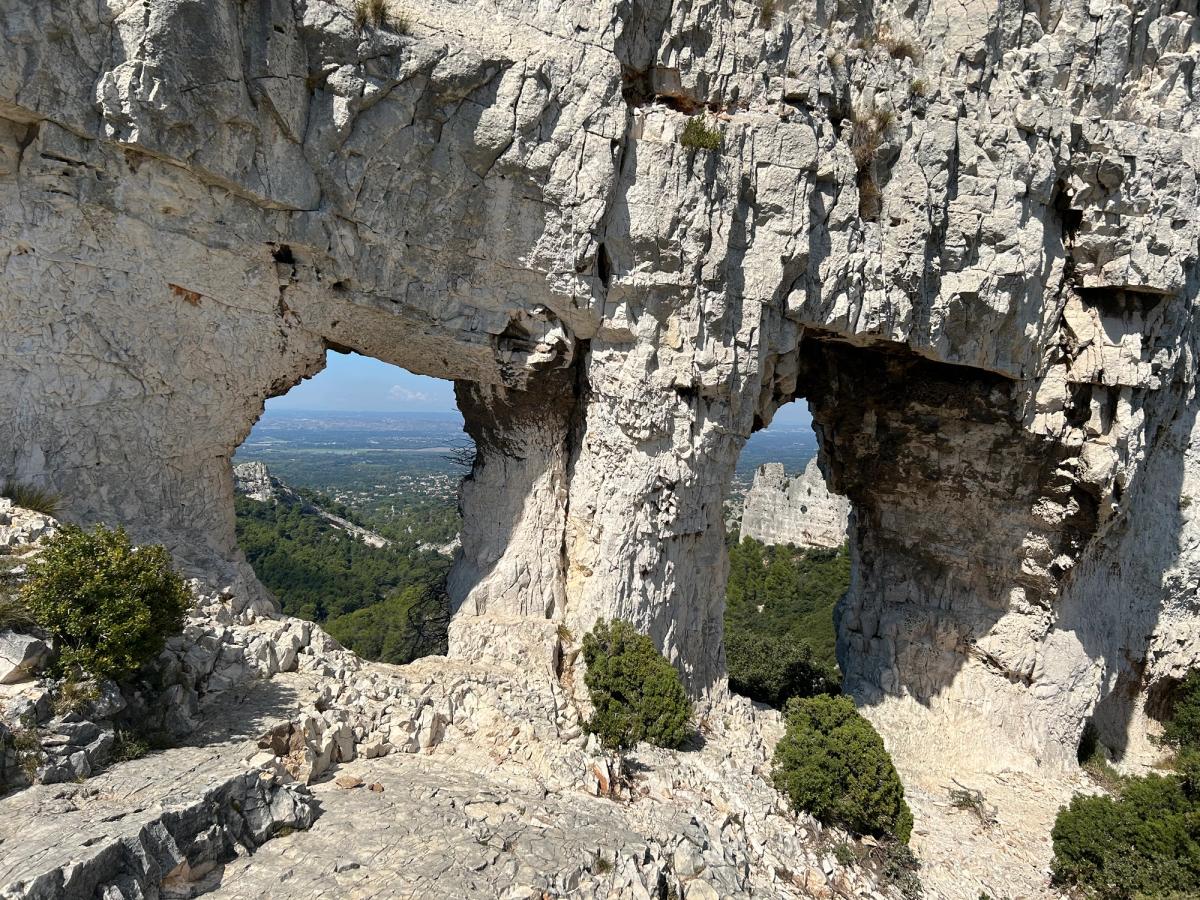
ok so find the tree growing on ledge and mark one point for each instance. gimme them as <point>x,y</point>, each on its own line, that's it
<point>109,605</point>
<point>637,694</point>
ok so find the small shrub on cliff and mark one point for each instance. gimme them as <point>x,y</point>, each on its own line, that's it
<point>379,14</point>
<point>698,136</point>
<point>109,605</point>
<point>1182,731</point>
<point>774,668</point>
<point>637,694</point>
<point>27,496</point>
<point>832,763</point>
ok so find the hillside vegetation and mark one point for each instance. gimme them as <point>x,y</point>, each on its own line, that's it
<point>384,603</point>
<point>779,635</point>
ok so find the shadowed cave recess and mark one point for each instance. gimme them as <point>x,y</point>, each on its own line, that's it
<point>1002,385</point>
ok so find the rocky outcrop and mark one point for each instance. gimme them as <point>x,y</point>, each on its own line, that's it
<point>799,510</point>
<point>968,237</point>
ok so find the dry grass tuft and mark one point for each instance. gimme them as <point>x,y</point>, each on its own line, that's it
<point>898,44</point>
<point>379,14</point>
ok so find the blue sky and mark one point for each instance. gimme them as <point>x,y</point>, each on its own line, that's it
<point>353,383</point>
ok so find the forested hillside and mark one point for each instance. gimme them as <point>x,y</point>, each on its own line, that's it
<point>779,634</point>
<point>389,603</point>
<point>385,603</point>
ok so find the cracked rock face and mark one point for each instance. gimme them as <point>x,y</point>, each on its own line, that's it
<point>969,239</point>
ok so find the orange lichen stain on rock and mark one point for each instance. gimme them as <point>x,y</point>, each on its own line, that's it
<point>184,294</point>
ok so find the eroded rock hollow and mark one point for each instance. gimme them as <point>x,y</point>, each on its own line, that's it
<point>966,233</point>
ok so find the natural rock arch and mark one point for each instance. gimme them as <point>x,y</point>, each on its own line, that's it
<point>200,197</point>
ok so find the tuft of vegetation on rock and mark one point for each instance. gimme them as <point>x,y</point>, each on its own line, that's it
<point>897,43</point>
<point>110,606</point>
<point>637,694</point>
<point>698,136</point>
<point>378,14</point>
<point>832,764</point>
<point>28,496</point>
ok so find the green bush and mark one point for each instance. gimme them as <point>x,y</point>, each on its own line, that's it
<point>109,605</point>
<point>27,496</point>
<point>1142,844</point>
<point>774,668</point>
<point>698,136</point>
<point>1182,731</point>
<point>637,694</point>
<point>832,763</point>
<point>1145,841</point>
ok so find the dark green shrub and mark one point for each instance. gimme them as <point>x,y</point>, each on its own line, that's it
<point>698,136</point>
<point>1145,841</point>
<point>1182,730</point>
<point>832,763</point>
<point>774,668</point>
<point>899,868</point>
<point>1142,844</point>
<point>637,694</point>
<point>109,605</point>
<point>27,496</point>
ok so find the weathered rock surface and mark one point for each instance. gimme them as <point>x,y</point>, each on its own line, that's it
<point>975,256</point>
<point>798,510</point>
<point>20,528</point>
<point>479,780</point>
<point>20,656</point>
<point>170,820</point>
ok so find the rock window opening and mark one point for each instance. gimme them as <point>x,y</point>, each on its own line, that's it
<point>347,504</point>
<point>789,565</point>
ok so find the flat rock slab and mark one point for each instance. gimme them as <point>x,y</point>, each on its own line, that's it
<point>438,830</point>
<point>68,828</point>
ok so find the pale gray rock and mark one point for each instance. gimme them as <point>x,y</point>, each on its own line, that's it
<point>22,528</point>
<point>990,315</point>
<point>21,655</point>
<point>798,510</point>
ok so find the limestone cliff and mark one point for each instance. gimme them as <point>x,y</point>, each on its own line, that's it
<point>798,510</point>
<point>967,232</point>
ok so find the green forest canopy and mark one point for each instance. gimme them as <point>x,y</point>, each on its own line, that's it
<point>788,592</point>
<point>384,603</point>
